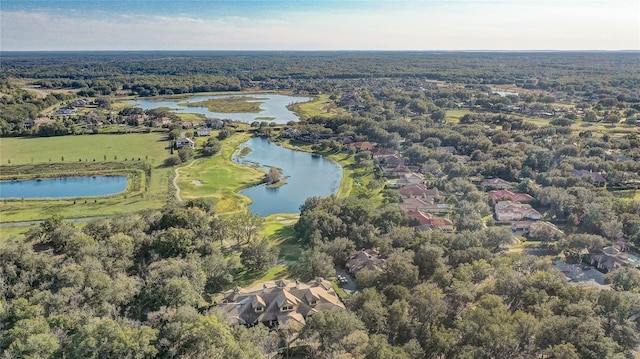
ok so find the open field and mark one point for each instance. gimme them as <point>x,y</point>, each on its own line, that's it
<point>151,147</point>
<point>219,178</point>
<point>148,147</point>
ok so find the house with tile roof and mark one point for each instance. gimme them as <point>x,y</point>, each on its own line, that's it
<point>499,194</point>
<point>429,221</point>
<point>506,211</point>
<point>278,302</point>
<point>418,190</point>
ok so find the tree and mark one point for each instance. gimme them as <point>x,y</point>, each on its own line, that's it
<point>211,147</point>
<point>274,175</point>
<point>107,338</point>
<point>330,327</point>
<point>245,227</point>
<point>313,263</point>
<point>624,278</point>
<point>257,256</point>
<point>185,154</point>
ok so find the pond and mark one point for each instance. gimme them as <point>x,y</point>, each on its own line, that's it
<point>305,175</point>
<point>273,107</point>
<point>64,187</point>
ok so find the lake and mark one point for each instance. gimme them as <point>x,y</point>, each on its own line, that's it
<point>305,175</point>
<point>271,105</point>
<point>64,187</point>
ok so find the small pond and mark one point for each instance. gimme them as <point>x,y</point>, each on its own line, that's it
<point>305,175</point>
<point>64,187</point>
<point>273,107</point>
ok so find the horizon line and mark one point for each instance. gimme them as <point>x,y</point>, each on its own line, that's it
<point>320,50</point>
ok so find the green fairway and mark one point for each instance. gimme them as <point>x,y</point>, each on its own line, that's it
<point>219,178</point>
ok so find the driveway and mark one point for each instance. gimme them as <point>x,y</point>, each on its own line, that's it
<point>350,286</point>
<point>584,277</point>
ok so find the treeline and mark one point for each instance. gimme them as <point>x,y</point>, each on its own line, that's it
<point>104,71</point>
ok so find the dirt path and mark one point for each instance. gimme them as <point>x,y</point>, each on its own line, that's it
<point>175,179</point>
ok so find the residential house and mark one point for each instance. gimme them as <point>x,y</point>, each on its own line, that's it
<point>596,177</point>
<point>215,123</point>
<point>419,191</point>
<point>514,211</point>
<point>423,205</point>
<point>390,161</point>
<point>203,131</point>
<point>498,183</point>
<point>365,259</point>
<point>612,257</point>
<point>396,170</point>
<point>278,302</point>
<point>382,152</point>
<point>525,227</point>
<point>185,142</point>
<point>429,221</point>
<point>410,178</point>
<point>361,146</point>
<point>499,194</point>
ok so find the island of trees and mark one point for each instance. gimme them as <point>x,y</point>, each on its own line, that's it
<point>490,210</point>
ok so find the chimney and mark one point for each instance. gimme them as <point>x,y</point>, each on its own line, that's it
<point>297,284</point>
<point>264,288</point>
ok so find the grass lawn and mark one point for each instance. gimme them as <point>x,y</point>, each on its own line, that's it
<point>454,116</point>
<point>191,116</point>
<point>219,178</point>
<point>148,147</point>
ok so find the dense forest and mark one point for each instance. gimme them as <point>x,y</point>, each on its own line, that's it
<point>560,128</point>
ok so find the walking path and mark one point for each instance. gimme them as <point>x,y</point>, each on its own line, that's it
<point>175,180</point>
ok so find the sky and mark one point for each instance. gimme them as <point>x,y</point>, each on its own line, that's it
<point>63,25</point>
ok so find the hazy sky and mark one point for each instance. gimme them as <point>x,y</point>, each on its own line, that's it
<point>320,25</point>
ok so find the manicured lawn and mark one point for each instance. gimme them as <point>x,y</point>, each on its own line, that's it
<point>219,178</point>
